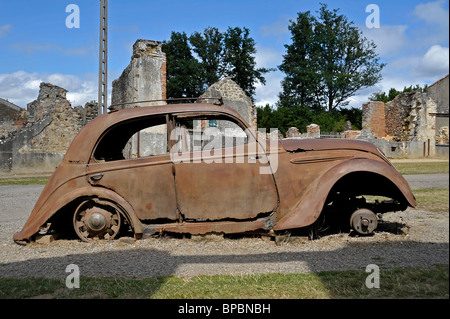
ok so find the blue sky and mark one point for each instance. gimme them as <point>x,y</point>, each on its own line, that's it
<point>36,45</point>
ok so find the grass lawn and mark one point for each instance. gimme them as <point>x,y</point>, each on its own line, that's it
<point>433,199</point>
<point>412,168</point>
<point>39,180</point>
<point>394,283</point>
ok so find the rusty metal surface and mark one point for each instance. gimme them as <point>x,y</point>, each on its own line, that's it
<point>299,145</point>
<point>209,196</point>
<point>134,180</point>
<point>218,190</point>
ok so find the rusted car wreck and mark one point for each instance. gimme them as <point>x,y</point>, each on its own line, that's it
<point>167,169</point>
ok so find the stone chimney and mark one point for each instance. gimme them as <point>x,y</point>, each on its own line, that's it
<point>144,78</point>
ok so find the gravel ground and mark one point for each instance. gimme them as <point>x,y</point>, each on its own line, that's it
<point>410,238</point>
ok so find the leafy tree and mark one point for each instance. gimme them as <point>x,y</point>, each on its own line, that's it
<point>354,115</point>
<point>227,54</point>
<point>383,97</point>
<point>340,59</point>
<point>239,61</point>
<point>209,48</point>
<point>301,81</point>
<point>184,77</point>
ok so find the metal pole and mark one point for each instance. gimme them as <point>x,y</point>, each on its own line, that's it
<point>103,58</point>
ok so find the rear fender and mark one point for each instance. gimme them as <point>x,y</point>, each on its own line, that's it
<point>309,207</point>
<point>33,225</point>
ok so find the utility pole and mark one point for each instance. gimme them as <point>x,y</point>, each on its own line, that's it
<point>103,59</point>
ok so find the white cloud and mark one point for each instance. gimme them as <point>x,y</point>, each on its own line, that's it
<point>268,57</point>
<point>4,30</point>
<point>22,88</point>
<point>433,13</point>
<point>390,39</point>
<point>268,93</point>
<point>435,30</point>
<point>434,63</point>
<point>416,53</point>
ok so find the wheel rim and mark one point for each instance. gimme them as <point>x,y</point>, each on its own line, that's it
<point>95,220</point>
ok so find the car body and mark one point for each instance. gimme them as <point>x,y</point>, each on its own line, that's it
<point>175,177</point>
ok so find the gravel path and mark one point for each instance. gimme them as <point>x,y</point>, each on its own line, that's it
<point>410,238</point>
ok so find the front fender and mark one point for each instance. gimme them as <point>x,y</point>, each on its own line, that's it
<point>309,207</point>
<point>39,216</point>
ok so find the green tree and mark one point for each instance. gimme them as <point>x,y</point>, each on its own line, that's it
<point>209,48</point>
<point>184,76</point>
<point>301,81</point>
<point>228,54</point>
<point>239,60</point>
<point>383,97</point>
<point>342,61</point>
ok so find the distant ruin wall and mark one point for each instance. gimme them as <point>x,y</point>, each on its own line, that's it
<point>374,118</point>
<point>50,126</point>
<point>406,126</point>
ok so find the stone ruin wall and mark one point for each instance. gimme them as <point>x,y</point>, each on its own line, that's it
<point>49,125</point>
<point>234,97</point>
<point>66,121</point>
<point>414,124</point>
<point>403,127</point>
<point>144,78</point>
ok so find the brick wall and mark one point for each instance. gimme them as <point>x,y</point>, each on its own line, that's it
<point>164,78</point>
<point>374,118</point>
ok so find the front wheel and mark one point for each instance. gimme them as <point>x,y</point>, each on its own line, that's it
<point>96,219</point>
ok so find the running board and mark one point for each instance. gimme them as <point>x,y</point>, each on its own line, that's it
<point>201,228</point>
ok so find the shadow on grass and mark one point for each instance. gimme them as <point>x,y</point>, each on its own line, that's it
<point>157,267</point>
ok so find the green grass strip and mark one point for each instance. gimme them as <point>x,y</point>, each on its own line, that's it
<point>394,283</point>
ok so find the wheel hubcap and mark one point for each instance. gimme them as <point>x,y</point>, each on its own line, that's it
<point>96,221</point>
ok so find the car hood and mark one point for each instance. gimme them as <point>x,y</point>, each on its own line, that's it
<point>303,145</point>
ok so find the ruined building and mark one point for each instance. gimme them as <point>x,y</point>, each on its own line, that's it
<point>439,92</point>
<point>12,118</point>
<point>413,124</point>
<point>43,132</point>
<point>144,78</point>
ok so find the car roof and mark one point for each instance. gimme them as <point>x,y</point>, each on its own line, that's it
<point>81,147</point>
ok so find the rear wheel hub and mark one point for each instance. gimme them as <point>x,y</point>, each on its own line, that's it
<point>364,221</point>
